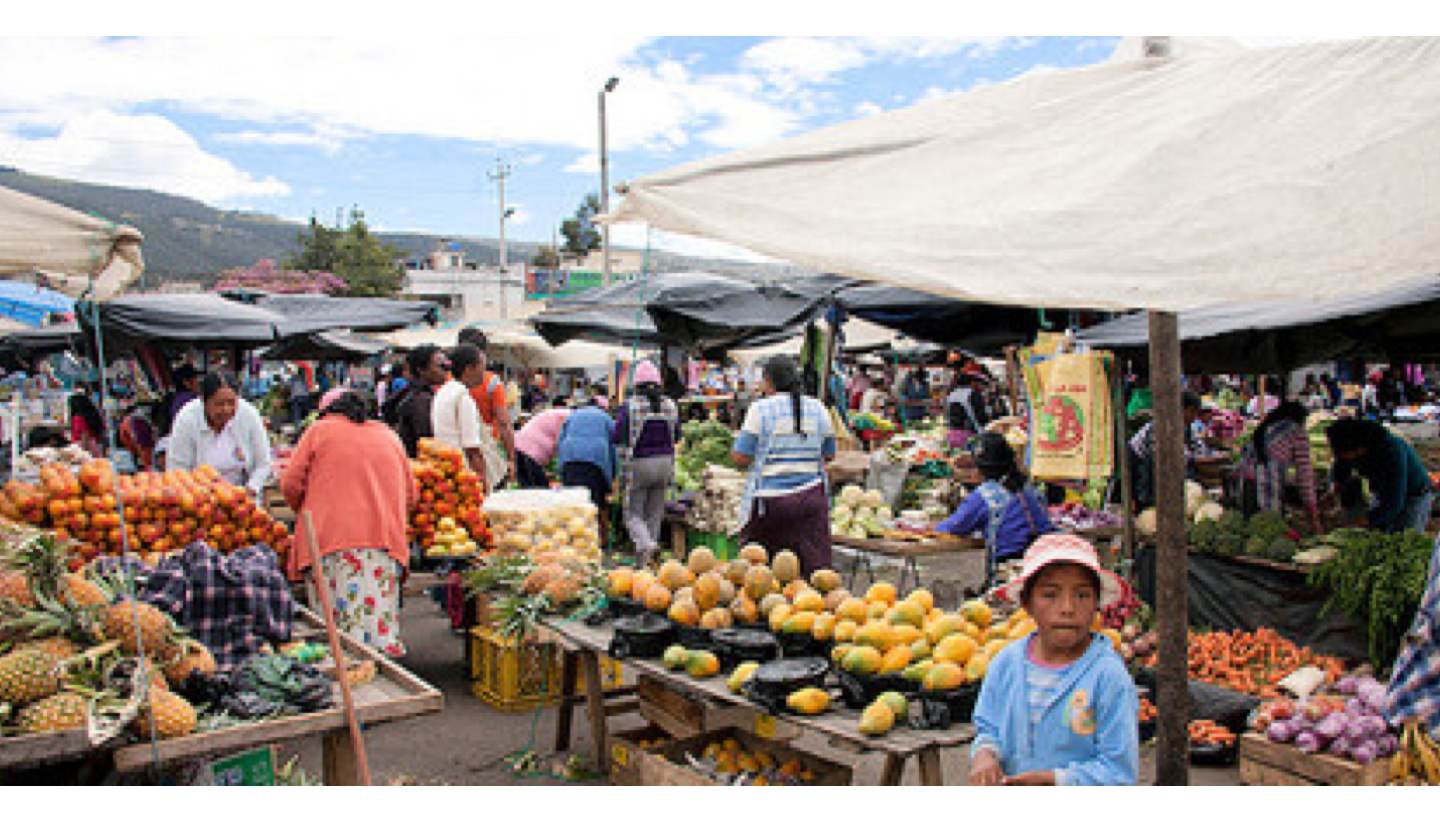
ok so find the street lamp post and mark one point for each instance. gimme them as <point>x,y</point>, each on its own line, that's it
<point>605,183</point>
<point>502,171</point>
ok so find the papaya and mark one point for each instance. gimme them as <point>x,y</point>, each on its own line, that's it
<point>809,601</point>
<point>834,598</point>
<point>837,654</point>
<point>919,647</point>
<point>657,598</point>
<point>947,625</point>
<point>895,660</point>
<point>863,660</point>
<point>874,634</point>
<point>955,648</point>
<point>974,632</point>
<point>786,566</point>
<point>684,612</point>
<point>881,592</point>
<point>897,703</point>
<point>727,592</point>
<point>853,608</point>
<point>825,580</point>
<point>619,581</point>
<point>740,675</point>
<point>907,612</point>
<point>702,664</point>
<point>700,561</point>
<point>976,668</point>
<point>942,677</point>
<point>735,572</point>
<point>845,631</point>
<point>675,657</point>
<point>904,634</point>
<point>794,589</point>
<point>977,612</point>
<point>684,593</point>
<point>716,618</point>
<point>808,700</point>
<point>675,576</point>
<point>922,598</point>
<point>707,590</point>
<point>915,672</point>
<point>639,584</point>
<point>823,628</point>
<point>768,603</point>
<point>757,582</point>
<point>744,610</point>
<point>877,719</point>
<point>877,609</point>
<point>778,616</point>
<point>798,623</point>
<point>754,554</point>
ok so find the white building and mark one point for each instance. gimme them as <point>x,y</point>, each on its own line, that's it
<point>467,292</point>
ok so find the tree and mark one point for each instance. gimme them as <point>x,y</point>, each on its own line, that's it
<point>366,265</point>
<point>545,258</point>
<point>580,233</point>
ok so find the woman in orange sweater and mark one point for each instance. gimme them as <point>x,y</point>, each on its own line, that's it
<point>351,473</point>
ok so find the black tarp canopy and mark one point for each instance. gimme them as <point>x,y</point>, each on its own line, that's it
<point>325,345</point>
<point>1397,323</point>
<point>977,328</point>
<point>19,348</point>
<point>305,313</point>
<point>179,320</point>
<point>613,314</point>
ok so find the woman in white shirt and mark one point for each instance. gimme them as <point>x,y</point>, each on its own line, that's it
<point>222,430</point>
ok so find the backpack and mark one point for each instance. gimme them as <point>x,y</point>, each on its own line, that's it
<point>390,409</point>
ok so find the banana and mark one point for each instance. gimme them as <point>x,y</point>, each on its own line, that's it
<point>1429,758</point>
<point>1399,764</point>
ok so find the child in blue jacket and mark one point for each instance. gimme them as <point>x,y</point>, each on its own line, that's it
<point>1058,707</point>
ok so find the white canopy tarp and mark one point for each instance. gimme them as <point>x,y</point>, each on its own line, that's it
<point>857,333</point>
<point>517,347</point>
<point>68,247</point>
<point>1172,183</point>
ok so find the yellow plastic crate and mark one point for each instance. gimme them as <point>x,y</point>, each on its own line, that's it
<point>516,676</point>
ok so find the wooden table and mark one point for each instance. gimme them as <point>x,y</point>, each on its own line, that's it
<point>909,551</point>
<point>583,644</point>
<point>394,694</point>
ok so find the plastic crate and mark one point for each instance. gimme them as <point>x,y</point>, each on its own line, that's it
<point>723,546</point>
<point>513,675</point>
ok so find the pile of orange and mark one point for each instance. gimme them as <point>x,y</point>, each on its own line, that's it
<point>448,489</point>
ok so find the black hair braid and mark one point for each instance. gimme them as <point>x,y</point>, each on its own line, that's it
<point>651,391</point>
<point>351,405</point>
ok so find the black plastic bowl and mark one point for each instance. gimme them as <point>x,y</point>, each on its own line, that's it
<point>942,709</point>
<point>735,646</point>
<point>859,691</point>
<point>641,635</point>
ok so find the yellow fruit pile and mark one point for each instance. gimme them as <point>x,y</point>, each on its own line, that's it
<point>730,759</point>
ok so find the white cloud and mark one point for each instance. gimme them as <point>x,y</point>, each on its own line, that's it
<point>585,164</point>
<point>330,144</point>
<point>521,215</point>
<point>534,158</point>
<point>867,109</point>
<point>146,151</point>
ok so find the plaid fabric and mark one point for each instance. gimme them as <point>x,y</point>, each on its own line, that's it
<point>232,603</point>
<point>1286,444</point>
<point>1415,685</point>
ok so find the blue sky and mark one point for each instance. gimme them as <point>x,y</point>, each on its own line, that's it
<point>300,127</point>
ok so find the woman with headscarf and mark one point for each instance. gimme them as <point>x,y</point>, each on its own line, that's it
<point>646,429</point>
<point>351,474</point>
<point>222,430</point>
<point>785,442</point>
<point>1279,443</point>
<point>1003,508</point>
<point>87,425</point>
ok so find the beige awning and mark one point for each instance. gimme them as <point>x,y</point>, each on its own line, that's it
<point>72,251</point>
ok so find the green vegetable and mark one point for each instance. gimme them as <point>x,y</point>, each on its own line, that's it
<point>1377,579</point>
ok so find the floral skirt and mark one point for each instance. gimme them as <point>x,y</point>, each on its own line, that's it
<point>365,590</point>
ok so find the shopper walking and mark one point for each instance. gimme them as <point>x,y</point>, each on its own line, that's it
<point>587,453</point>
<point>647,428</point>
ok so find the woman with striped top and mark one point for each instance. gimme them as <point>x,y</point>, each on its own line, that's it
<point>1277,445</point>
<point>784,442</point>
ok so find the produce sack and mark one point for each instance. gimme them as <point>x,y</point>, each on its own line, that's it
<point>1227,707</point>
<point>1071,427</point>
<point>887,476</point>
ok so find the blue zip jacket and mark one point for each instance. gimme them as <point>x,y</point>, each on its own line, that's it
<point>1089,735</point>
<point>586,437</point>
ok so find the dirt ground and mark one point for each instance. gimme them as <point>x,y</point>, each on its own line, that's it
<point>467,743</point>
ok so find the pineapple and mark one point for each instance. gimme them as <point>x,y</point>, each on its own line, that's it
<point>173,715</point>
<point>27,675</point>
<point>14,586</point>
<point>62,648</point>
<point>157,631</point>
<point>194,657</point>
<point>57,713</point>
<point>78,590</point>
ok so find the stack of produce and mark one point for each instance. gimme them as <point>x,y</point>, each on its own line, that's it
<point>33,460</point>
<point>527,586</point>
<point>1080,517</point>
<point>545,522</point>
<point>164,512</point>
<point>1245,662</point>
<point>447,521</point>
<point>703,444</point>
<point>860,514</point>
<point>1347,724</point>
<point>1376,579</point>
<point>871,426</point>
<point>704,592</point>
<point>728,762</point>
<point>1209,733</point>
<point>1264,535</point>
<point>1315,426</point>
<point>1198,507</point>
<point>717,506</point>
<point>75,644</point>
<point>1417,758</point>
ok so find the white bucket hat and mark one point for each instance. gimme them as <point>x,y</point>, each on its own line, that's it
<point>1065,548</point>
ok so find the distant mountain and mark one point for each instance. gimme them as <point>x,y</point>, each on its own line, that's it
<point>188,240</point>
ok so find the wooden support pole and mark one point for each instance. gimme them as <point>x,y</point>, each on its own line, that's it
<point>1122,465</point>
<point>1172,608</point>
<point>1012,378</point>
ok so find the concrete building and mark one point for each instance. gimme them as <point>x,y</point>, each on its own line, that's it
<point>468,292</point>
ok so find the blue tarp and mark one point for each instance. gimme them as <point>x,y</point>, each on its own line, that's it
<point>31,304</point>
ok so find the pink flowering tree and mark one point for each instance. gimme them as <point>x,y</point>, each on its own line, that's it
<point>265,275</point>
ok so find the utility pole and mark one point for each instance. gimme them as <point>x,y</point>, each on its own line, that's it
<point>605,183</point>
<point>502,171</point>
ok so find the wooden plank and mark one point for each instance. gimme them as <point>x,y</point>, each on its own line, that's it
<point>1320,769</point>
<point>339,764</point>
<point>668,770</point>
<point>27,750</point>
<point>595,700</point>
<point>893,771</point>
<point>930,773</point>
<point>568,668</point>
<point>1255,773</point>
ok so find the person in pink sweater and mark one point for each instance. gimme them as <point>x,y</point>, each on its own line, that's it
<point>352,475</point>
<point>535,445</point>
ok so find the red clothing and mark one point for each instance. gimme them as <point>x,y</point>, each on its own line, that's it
<point>489,396</point>
<point>355,481</point>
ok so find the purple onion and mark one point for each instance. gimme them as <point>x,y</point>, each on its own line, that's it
<point>1376,726</point>
<point>1348,685</point>
<point>1331,727</point>
<point>1374,697</point>
<point>1355,707</point>
<point>1386,745</point>
<point>1281,731</point>
<point>1364,752</point>
<point>1340,747</point>
<point>1308,742</point>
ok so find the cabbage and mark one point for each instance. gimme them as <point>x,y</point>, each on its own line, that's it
<point>1307,742</point>
<point>1331,727</point>
<point>1364,752</point>
<point>864,513</point>
<point>1348,685</point>
<point>884,513</point>
<point>1373,695</point>
<point>851,495</point>
<point>841,512</point>
<point>1145,522</point>
<point>1281,731</point>
<point>1340,747</point>
<point>1210,510</point>
<point>1194,497</point>
<point>1386,745</point>
<point>873,499</point>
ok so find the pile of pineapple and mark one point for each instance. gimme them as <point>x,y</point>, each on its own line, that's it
<point>77,649</point>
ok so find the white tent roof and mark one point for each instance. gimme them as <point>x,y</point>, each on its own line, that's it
<point>69,246</point>
<point>517,346</point>
<point>1165,183</point>
<point>857,333</point>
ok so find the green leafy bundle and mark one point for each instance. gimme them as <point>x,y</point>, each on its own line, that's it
<point>1377,579</point>
<point>703,443</point>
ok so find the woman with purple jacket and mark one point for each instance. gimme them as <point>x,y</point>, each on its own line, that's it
<point>646,429</point>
